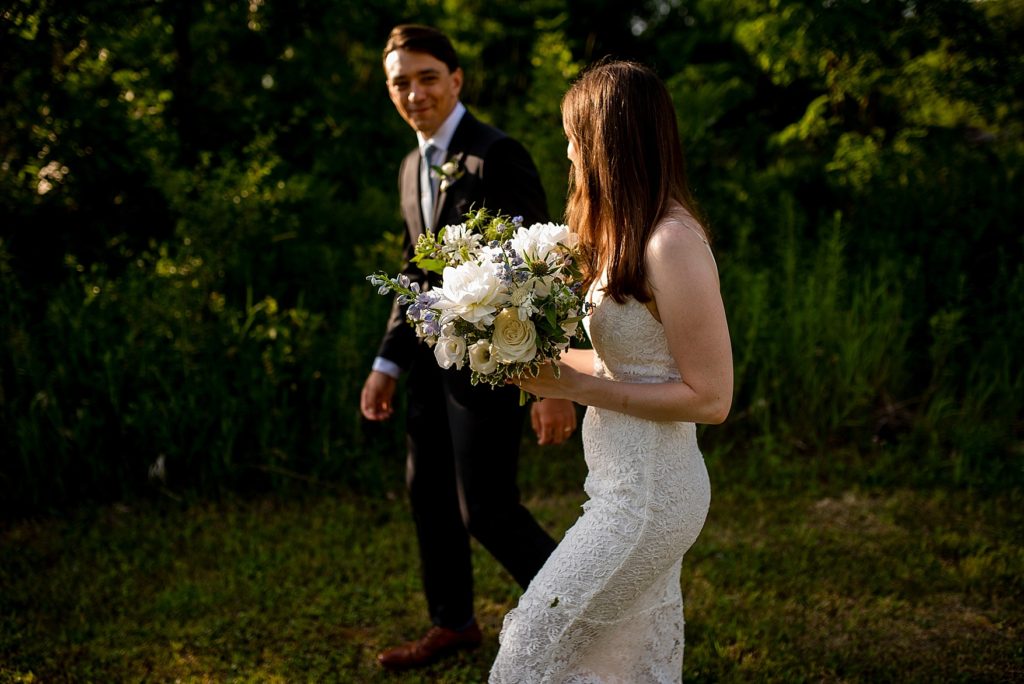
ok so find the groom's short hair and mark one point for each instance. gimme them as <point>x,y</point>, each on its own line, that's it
<point>419,38</point>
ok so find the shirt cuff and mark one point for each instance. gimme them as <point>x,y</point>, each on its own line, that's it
<point>387,367</point>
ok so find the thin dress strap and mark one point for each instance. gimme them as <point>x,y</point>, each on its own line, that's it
<point>705,241</point>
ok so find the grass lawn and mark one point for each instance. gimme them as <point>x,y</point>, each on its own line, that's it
<point>857,586</point>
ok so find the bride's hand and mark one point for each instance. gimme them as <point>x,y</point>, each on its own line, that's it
<point>545,384</point>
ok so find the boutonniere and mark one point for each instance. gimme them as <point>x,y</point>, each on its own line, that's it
<point>449,172</point>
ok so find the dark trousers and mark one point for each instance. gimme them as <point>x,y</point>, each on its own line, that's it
<point>461,473</point>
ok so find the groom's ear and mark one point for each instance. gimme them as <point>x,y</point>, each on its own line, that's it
<point>457,80</point>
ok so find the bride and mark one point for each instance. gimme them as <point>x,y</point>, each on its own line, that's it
<point>607,606</point>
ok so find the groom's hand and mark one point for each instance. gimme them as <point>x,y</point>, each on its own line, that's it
<point>377,400</point>
<point>554,420</point>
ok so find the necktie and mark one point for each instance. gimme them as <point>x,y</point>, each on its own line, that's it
<point>428,185</point>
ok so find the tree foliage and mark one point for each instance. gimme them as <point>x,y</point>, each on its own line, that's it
<point>192,192</point>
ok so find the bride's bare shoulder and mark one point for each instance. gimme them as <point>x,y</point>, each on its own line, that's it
<point>677,229</point>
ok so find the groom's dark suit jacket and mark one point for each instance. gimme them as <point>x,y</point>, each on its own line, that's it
<point>498,174</point>
<point>463,440</point>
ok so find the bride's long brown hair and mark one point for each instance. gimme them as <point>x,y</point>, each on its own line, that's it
<point>629,167</point>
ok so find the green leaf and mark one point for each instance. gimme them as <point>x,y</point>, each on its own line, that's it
<point>429,264</point>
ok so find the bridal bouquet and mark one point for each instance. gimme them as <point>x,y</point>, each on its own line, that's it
<point>509,298</point>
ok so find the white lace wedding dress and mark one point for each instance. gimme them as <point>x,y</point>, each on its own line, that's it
<point>607,607</point>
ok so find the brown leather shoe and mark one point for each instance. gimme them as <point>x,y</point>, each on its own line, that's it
<point>437,642</point>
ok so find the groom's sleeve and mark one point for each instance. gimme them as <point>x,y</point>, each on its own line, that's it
<point>399,343</point>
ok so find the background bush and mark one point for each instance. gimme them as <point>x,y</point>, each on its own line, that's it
<point>191,194</point>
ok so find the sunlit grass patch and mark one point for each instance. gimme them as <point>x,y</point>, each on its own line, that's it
<point>855,585</point>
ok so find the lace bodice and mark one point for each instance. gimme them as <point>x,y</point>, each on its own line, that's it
<point>629,342</point>
<point>607,608</point>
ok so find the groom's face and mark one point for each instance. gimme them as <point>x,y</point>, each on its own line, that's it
<point>423,89</point>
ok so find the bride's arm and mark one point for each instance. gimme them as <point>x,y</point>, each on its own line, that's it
<point>580,360</point>
<point>684,282</point>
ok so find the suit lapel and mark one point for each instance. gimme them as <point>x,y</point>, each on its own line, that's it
<point>457,150</point>
<point>411,210</point>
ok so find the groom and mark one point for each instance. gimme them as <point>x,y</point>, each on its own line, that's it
<point>463,440</point>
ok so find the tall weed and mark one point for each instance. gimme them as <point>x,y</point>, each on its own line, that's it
<point>970,428</point>
<point>817,348</point>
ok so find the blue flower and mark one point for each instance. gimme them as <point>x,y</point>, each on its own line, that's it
<point>431,328</point>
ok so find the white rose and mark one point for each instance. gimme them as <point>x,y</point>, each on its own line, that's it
<point>540,239</point>
<point>450,350</point>
<point>482,358</point>
<point>513,340</point>
<point>471,290</point>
